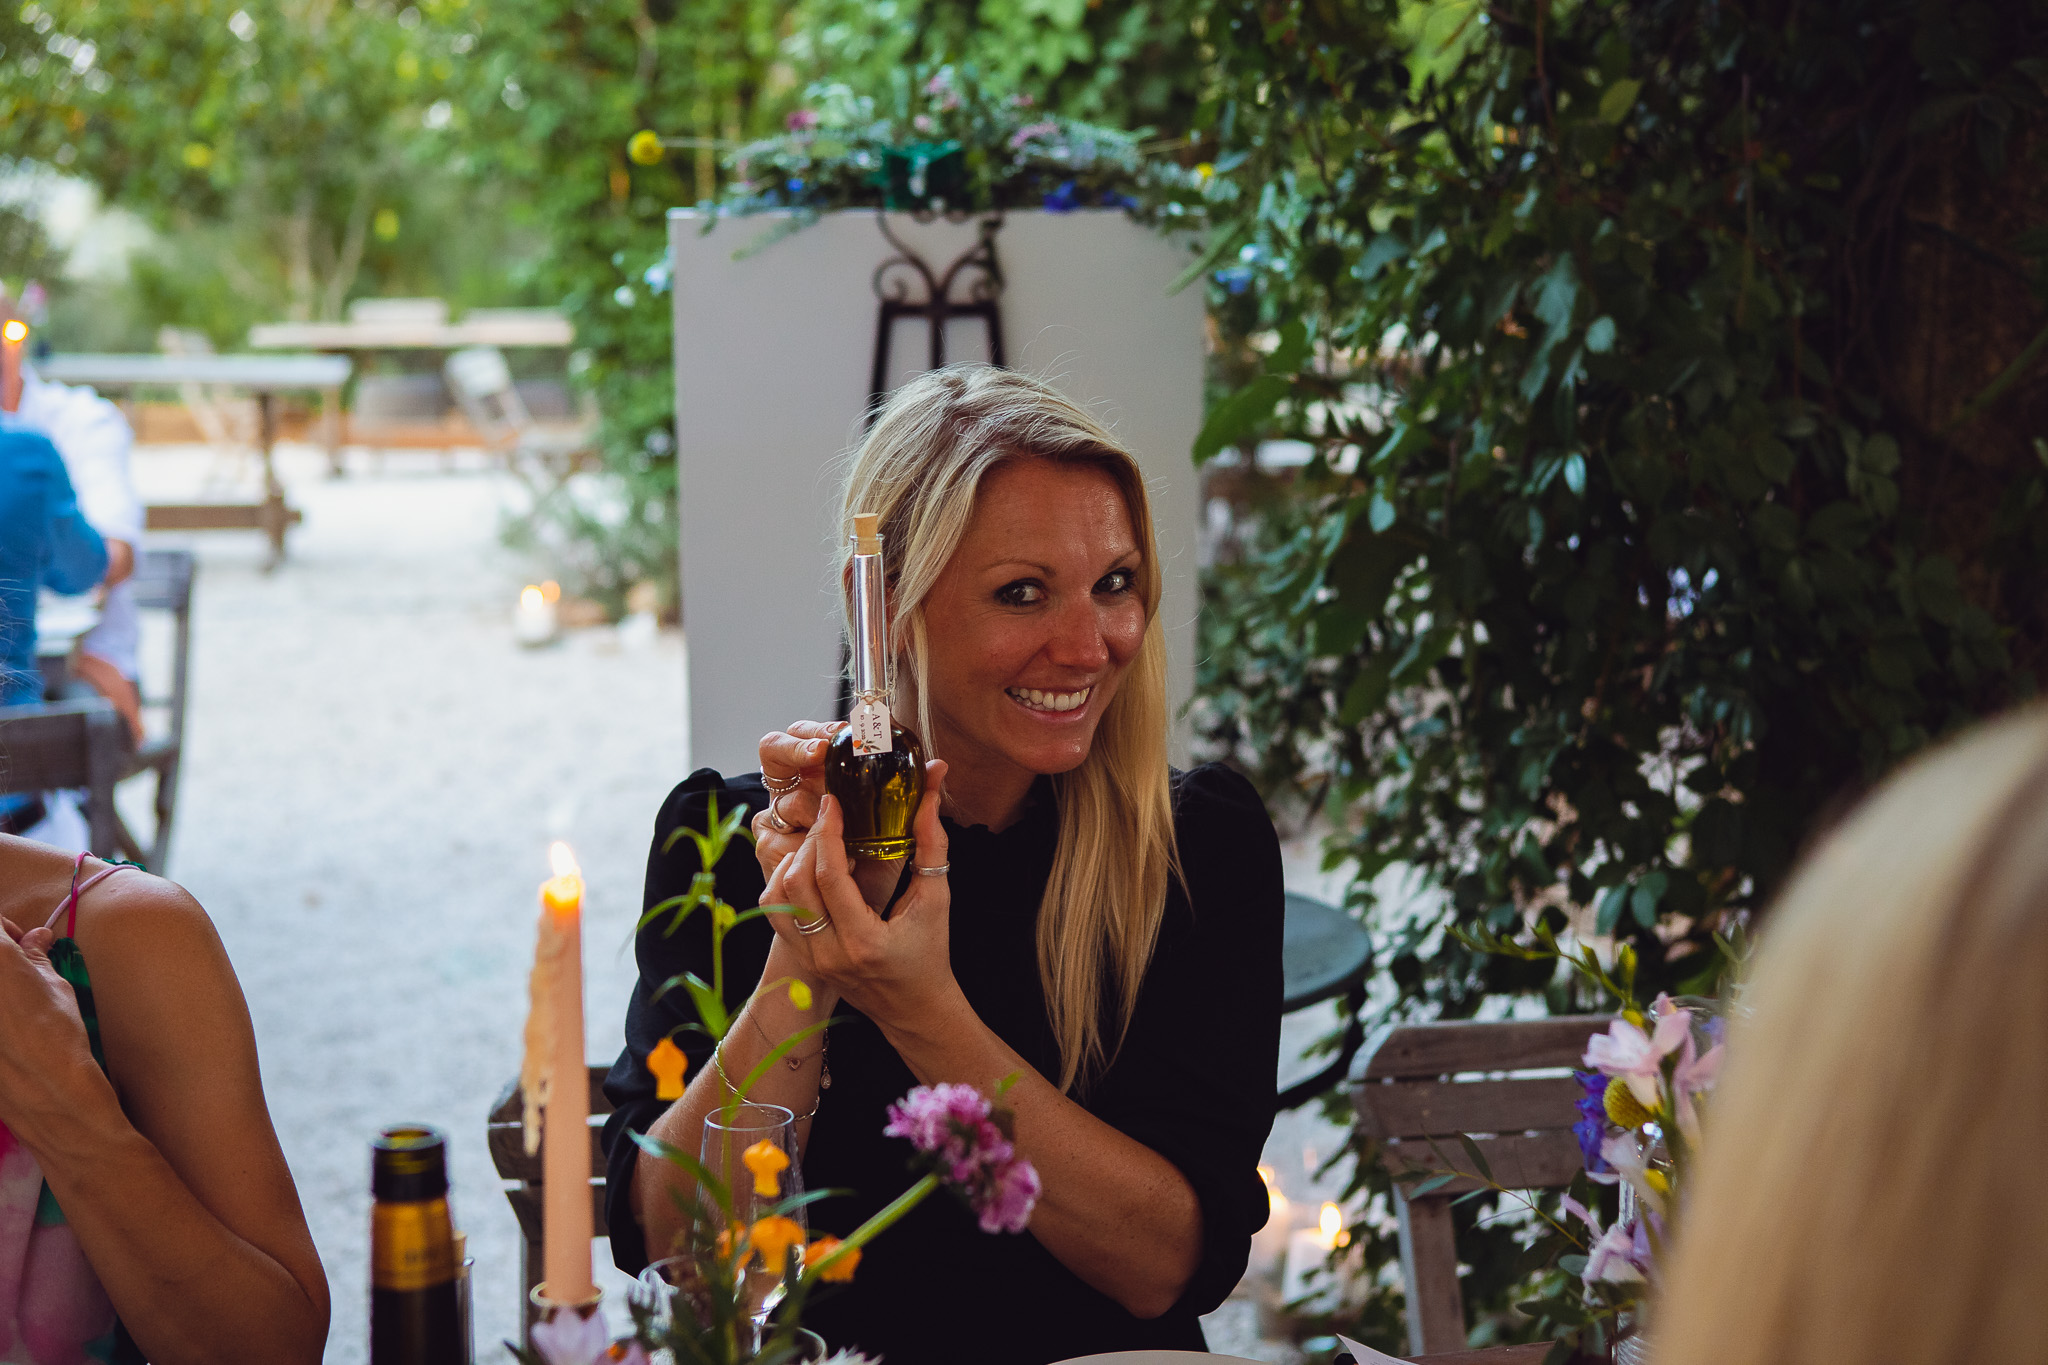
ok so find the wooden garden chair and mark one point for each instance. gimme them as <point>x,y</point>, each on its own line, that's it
<point>505,1133</point>
<point>63,744</point>
<point>1420,1086</point>
<point>162,582</point>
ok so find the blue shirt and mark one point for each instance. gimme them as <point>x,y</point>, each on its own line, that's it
<point>44,542</point>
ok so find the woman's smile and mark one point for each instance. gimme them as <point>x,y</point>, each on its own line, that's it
<point>1051,704</point>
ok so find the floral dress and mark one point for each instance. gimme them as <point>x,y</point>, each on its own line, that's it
<point>53,1310</point>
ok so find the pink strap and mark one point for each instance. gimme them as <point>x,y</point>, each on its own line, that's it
<point>69,905</point>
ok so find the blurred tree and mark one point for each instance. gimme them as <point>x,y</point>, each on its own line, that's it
<point>1672,376</point>
<point>285,150</point>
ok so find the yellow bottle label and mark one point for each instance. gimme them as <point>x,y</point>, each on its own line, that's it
<point>412,1246</point>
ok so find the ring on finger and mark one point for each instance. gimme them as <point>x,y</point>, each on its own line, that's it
<point>807,927</point>
<point>941,870</point>
<point>774,818</point>
<point>779,786</point>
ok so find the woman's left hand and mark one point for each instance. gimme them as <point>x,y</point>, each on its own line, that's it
<point>894,970</point>
<point>48,1059</point>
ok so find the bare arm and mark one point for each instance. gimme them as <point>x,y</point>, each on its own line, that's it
<point>169,1175</point>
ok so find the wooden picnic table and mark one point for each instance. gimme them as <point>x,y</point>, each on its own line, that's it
<point>264,376</point>
<point>359,337</point>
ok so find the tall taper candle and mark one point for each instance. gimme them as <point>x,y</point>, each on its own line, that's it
<point>565,1129</point>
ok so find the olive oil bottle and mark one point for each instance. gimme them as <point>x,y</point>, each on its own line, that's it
<point>415,1310</point>
<point>875,766</point>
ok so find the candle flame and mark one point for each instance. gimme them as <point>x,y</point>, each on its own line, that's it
<point>16,330</point>
<point>1267,1174</point>
<point>562,859</point>
<point>550,591</point>
<point>530,597</point>
<point>1331,1221</point>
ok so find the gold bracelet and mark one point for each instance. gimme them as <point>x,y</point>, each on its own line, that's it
<point>795,1062</point>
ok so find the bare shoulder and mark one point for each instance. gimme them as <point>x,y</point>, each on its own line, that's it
<point>134,910</point>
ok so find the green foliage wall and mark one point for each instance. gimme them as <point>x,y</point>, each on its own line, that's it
<point>1672,375</point>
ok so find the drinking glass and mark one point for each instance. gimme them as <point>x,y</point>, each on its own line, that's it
<point>727,1136</point>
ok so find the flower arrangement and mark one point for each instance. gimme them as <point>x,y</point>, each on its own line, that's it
<point>1644,1085</point>
<point>961,1140</point>
<point>945,142</point>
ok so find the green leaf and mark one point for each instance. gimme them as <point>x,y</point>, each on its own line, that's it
<point>1367,693</point>
<point>1381,514</point>
<point>1292,352</point>
<point>1609,914</point>
<point>1240,415</point>
<point>1643,902</point>
<point>1385,247</point>
<point>1618,99</point>
<point>1600,335</point>
<point>1575,473</point>
<point>1478,1158</point>
<point>1225,240</point>
<point>710,1008</point>
<point>1431,1185</point>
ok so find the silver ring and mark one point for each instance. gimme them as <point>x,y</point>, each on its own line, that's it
<point>781,786</point>
<point>814,926</point>
<point>941,870</point>
<point>780,825</point>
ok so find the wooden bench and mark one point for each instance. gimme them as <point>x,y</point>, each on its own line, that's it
<point>505,1132</point>
<point>1410,1100</point>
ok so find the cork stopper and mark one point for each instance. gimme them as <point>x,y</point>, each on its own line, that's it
<point>867,533</point>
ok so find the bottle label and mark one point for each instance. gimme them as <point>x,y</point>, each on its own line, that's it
<point>871,727</point>
<point>412,1246</point>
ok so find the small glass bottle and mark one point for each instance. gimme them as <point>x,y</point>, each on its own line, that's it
<point>415,1309</point>
<point>875,767</point>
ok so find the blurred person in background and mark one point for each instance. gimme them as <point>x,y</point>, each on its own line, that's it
<point>94,440</point>
<point>44,542</point>
<point>1870,1187</point>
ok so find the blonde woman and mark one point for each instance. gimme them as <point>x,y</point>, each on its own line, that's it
<point>1102,927</point>
<point>1872,1187</point>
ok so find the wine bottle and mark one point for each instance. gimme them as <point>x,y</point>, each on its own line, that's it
<point>875,766</point>
<point>415,1316</point>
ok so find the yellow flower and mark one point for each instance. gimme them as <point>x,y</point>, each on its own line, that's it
<point>1203,172</point>
<point>1657,1180</point>
<point>800,995</point>
<point>385,225</point>
<point>644,148</point>
<point>1623,1108</point>
<point>773,1237</point>
<point>766,1161</point>
<point>198,155</point>
<point>840,1270</point>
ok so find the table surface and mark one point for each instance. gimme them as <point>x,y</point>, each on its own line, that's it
<point>260,372</point>
<point>1323,951</point>
<point>60,620</point>
<point>483,327</point>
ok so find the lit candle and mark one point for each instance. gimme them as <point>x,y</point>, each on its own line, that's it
<point>1269,1243</point>
<point>534,620</point>
<point>1309,1249</point>
<point>554,1081</point>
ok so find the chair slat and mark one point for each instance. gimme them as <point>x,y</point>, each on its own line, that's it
<point>1402,1109</point>
<point>49,746</point>
<point>509,1108</point>
<point>526,1208</point>
<point>1416,1051</point>
<point>1542,1161</point>
<point>508,1153</point>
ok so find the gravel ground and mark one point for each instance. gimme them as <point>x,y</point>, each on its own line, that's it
<point>374,770</point>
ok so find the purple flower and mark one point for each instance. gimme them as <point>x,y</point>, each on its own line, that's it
<point>1061,200</point>
<point>923,123</point>
<point>956,1128</point>
<point>1614,1256</point>
<point>801,120</point>
<point>1591,1129</point>
<point>1021,101</point>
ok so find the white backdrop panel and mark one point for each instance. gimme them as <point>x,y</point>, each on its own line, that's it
<point>773,354</point>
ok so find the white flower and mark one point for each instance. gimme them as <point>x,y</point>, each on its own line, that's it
<point>569,1338</point>
<point>1612,1258</point>
<point>1630,1163</point>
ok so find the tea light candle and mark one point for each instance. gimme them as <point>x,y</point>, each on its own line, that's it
<point>533,620</point>
<point>1307,1250</point>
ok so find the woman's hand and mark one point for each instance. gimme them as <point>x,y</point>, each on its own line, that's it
<point>46,1069</point>
<point>895,971</point>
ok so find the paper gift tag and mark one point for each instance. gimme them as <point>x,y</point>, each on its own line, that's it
<point>870,722</point>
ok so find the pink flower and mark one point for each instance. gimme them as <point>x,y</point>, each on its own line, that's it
<point>1013,1193</point>
<point>941,83</point>
<point>1043,128</point>
<point>923,123</point>
<point>1694,1075</point>
<point>569,1338</point>
<point>1613,1257</point>
<point>1021,101</point>
<point>801,120</point>
<point>1638,1058</point>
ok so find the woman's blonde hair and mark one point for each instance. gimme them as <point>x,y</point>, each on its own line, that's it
<point>919,469</point>
<point>1871,1187</point>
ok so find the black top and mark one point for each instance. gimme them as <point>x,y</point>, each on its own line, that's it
<point>1194,1081</point>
